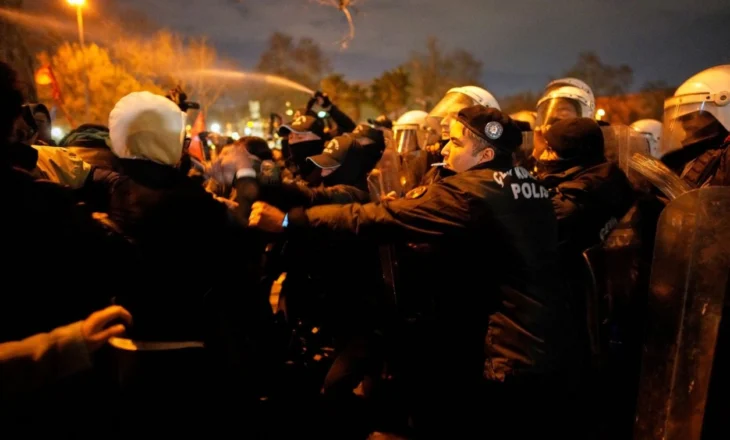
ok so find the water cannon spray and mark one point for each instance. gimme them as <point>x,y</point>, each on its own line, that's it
<point>275,121</point>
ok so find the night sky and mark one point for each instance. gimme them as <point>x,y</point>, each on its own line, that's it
<point>521,42</point>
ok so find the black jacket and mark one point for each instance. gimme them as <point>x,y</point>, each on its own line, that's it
<point>589,200</point>
<point>189,250</point>
<point>61,265</point>
<point>498,307</point>
<point>318,287</point>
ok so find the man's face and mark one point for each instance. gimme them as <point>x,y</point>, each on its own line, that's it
<point>44,125</point>
<point>539,144</point>
<point>22,132</point>
<point>446,126</point>
<point>564,110</point>
<point>459,153</point>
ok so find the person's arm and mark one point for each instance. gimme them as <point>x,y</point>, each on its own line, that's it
<point>345,124</point>
<point>441,211</point>
<point>98,188</point>
<point>247,192</point>
<point>306,197</point>
<point>42,359</point>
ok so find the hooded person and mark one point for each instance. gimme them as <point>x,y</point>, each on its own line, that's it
<point>44,122</point>
<point>156,205</point>
<point>173,221</point>
<point>91,142</point>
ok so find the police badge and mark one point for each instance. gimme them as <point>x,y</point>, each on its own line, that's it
<point>417,192</point>
<point>493,130</point>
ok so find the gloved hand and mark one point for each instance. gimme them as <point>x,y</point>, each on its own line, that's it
<point>233,159</point>
<point>323,100</point>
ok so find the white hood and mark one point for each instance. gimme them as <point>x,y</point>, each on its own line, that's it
<point>147,126</point>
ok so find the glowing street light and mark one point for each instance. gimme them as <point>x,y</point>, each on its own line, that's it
<point>215,127</point>
<point>235,136</point>
<point>79,4</point>
<point>600,113</point>
<point>56,133</point>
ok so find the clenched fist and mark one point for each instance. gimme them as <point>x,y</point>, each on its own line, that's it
<point>266,217</point>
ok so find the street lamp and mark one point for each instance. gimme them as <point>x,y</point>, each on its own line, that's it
<point>79,4</point>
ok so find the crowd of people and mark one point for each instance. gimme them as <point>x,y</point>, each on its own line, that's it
<point>428,277</point>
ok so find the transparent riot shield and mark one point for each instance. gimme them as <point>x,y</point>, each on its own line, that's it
<point>385,177</point>
<point>689,282</point>
<point>620,143</point>
<point>524,154</point>
<point>414,165</point>
<point>659,175</point>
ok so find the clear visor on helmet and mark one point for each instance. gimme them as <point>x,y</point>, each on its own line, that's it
<point>654,145</point>
<point>686,123</point>
<point>410,138</point>
<point>440,117</point>
<point>553,110</point>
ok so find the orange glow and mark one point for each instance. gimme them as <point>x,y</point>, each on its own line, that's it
<point>43,76</point>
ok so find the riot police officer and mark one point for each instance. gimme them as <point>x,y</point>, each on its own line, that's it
<point>492,339</point>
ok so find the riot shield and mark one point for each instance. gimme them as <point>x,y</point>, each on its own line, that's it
<point>689,282</point>
<point>659,175</point>
<point>524,154</point>
<point>385,177</point>
<point>621,142</point>
<point>414,165</point>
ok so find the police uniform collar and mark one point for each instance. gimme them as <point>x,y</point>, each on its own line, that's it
<point>492,165</point>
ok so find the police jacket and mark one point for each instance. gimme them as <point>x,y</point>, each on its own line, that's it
<point>498,306</point>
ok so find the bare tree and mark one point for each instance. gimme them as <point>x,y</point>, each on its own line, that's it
<point>169,60</point>
<point>300,61</point>
<point>390,92</point>
<point>111,81</point>
<point>604,79</point>
<point>347,96</point>
<point>434,72</point>
<point>519,102</point>
<point>344,6</point>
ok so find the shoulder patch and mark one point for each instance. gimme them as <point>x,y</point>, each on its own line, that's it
<point>416,192</point>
